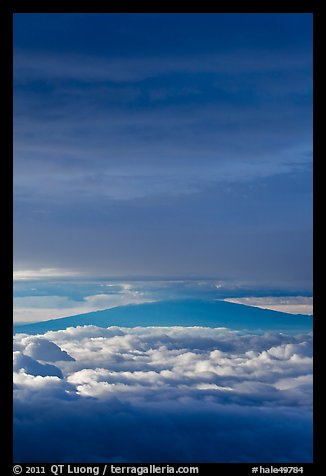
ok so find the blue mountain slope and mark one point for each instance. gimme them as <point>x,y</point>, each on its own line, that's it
<point>179,313</point>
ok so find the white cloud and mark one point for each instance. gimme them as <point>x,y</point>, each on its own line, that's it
<point>43,308</point>
<point>36,314</point>
<point>289,304</point>
<point>159,383</point>
<point>43,349</point>
<point>178,359</point>
<point>41,273</point>
<point>23,364</point>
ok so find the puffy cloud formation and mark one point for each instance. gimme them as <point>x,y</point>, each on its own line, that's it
<point>26,365</point>
<point>43,349</point>
<point>162,394</point>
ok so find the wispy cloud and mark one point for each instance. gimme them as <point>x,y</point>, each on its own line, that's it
<point>63,66</point>
<point>290,304</point>
<point>209,121</point>
<point>41,308</point>
<point>42,273</point>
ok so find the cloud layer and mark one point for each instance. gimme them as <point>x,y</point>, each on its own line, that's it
<point>162,394</point>
<point>164,145</point>
<point>289,304</point>
<point>38,306</point>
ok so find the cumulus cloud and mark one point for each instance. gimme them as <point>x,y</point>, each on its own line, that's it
<point>43,349</point>
<point>26,365</point>
<point>171,394</point>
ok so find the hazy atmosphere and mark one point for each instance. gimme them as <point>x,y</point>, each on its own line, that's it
<point>163,307</point>
<point>164,145</point>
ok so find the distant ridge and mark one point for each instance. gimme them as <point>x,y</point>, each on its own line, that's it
<point>179,313</point>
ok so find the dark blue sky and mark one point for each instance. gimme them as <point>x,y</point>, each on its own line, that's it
<point>164,144</point>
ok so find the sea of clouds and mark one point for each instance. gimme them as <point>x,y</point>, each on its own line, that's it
<point>162,394</point>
